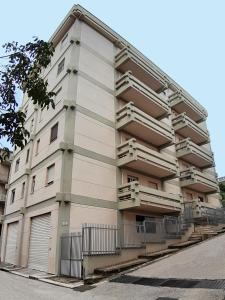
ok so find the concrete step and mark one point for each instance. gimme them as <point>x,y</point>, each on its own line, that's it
<point>157,254</point>
<point>183,244</point>
<point>120,267</point>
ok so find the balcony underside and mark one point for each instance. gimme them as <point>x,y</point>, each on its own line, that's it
<point>149,206</point>
<point>187,131</point>
<point>145,133</point>
<point>126,61</point>
<point>199,186</point>
<point>131,90</point>
<point>193,112</point>
<point>195,159</point>
<point>148,168</point>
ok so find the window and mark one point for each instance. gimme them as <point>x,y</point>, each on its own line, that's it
<point>41,114</point>
<point>57,96</point>
<point>131,178</point>
<point>33,184</point>
<point>189,196</point>
<point>201,199</point>
<point>54,133</point>
<point>12,198</point>
<point>32,125</point>
<point>28,154</point>
<point>153,185</point>
<point>26,110</point>
<point>17,165</point>
<point>50,174</point>
<point>23,190</point>
<point>37,147</point>
<point>64,41</point>
<point>61,66</point>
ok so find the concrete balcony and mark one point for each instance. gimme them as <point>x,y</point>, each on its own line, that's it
<point>192,153</point>
<point>130,89</point>
<point>135,156</point>
<point>186,127</point>
<point>133,196</point>
<point>198,181</point>
<point>139,124</point>
<point>127,60</point>
<point>182,103</point>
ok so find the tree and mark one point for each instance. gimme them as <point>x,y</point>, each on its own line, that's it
<point>222,192</point>
<point>23,72</point>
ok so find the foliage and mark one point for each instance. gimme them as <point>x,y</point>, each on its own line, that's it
<point>23,72</point>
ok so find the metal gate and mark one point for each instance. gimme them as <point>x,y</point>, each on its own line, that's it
<point>71,263</point>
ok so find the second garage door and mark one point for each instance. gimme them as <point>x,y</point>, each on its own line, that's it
<point>11,243</point>
<point>39,242</point>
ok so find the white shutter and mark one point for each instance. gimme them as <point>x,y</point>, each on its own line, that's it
<point>11,243</point>
<point>39,242</point>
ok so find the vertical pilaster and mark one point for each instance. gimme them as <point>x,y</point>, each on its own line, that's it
<point>68,139</point>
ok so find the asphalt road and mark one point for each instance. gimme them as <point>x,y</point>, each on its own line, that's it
<point>206,260</point>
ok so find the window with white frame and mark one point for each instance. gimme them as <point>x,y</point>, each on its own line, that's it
<point>12,197</point>
<point>64,41</point>
<point>54,133</point>
<point>61,66</point>
<point>23,189</point>
<point>17,164</point>
<point>50,174</point>
<point>33,184</point>
<point>37,147</point>
<point>28,155</point>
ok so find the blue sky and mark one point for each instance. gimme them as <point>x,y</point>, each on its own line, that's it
<point>184,38</point>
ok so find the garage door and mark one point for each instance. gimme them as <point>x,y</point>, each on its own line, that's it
<point>39,242</point>
<point>11,243</point>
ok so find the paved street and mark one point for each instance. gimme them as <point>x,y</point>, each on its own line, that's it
<point>209,262</point>
<point>203,261</point>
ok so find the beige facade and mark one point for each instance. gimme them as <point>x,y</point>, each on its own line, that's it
<point>124,140</point>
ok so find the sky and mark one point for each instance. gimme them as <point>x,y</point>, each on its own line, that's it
<point>184,38</point>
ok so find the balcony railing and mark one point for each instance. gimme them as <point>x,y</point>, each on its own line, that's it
<point>130,88</point>
<point>181,103</point>
<point>192,153</point>
<point>128,60</point>
<point>133,155</point>
<point>137,123</point>
<point>135,196</point>
<point>186,127</point>
<point>198,181</point>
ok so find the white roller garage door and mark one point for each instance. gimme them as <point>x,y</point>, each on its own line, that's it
<point>11,243</point>
<point>39,242</point>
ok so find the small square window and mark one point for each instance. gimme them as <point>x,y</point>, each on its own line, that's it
<point>12,198</point>
<point>50,174</point>
<point>54,133</point>
<point>61,66</point>
<point>33,184</point>
<point>17,165</point>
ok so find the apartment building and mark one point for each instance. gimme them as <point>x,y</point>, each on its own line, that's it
<point>4,175</point>
<point>125,143</point>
